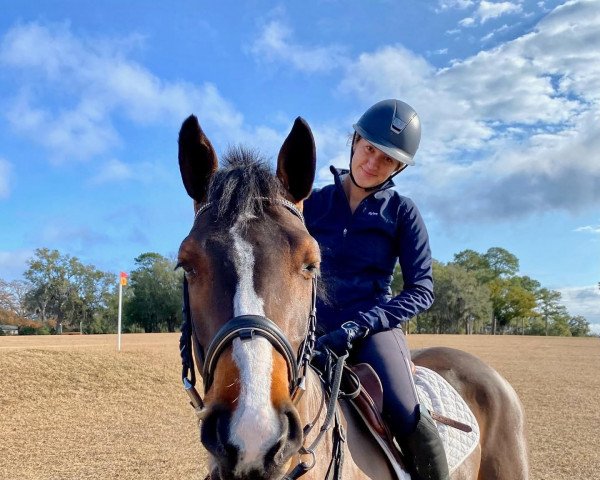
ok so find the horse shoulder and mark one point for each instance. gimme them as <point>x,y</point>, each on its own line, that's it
<point>368,461</point>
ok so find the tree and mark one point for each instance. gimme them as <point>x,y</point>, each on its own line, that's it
<point>63,288</point>
<point>579,326</point>
<point>12,297</point>
<point>462,304</point>
<point>475,262</point>
<point>510,301</point>
<point>155,303</point>
<point>549,308</point>
<point>497,270</point>
<point>501,262</point>
<point>475,287</point>
<point>560,325</point>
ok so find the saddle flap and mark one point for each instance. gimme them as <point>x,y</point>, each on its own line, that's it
<point>370,383</point>
<point>368,404</point>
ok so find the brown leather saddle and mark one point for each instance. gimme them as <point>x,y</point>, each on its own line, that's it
<point>368,403</point>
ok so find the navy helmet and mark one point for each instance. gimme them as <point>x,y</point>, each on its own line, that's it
<point>393,127</point>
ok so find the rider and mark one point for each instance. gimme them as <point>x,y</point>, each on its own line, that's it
<point>364,227</point>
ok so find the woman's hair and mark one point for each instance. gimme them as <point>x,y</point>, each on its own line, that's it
<point>353,138</point>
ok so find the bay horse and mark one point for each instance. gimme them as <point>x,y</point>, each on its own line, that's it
<point>249,297</point>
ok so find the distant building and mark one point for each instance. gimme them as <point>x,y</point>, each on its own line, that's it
<point>9,329</point>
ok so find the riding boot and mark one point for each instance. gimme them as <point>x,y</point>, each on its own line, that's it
<point>425,450</point>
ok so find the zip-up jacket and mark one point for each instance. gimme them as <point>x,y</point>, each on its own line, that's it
<point>359,252</point>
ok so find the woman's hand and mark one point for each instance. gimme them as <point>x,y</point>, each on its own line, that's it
<point>340,341</point>
<point>337,341</point>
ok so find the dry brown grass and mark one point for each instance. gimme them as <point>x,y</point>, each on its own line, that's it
<point>73,408</point>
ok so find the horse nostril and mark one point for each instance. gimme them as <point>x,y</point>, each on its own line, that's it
<point>295,433</point>
<point>214,435</point>
<point>289,441</point>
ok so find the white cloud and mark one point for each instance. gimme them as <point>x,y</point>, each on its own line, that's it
<point>489,10</point>
<point>448,4</point>
<point>79,133</point>
<point>584,301</point>
<point>100,85</point>
<point>274,44</point>
<point>113,171</point>
<point>508,131</point>
<point>493,33</point>
<point>589,229</point>
<point>441,51</point>
<point>542,6</point>
<point>5,177</point>
<point>392,67</point>
<point>485,11</point>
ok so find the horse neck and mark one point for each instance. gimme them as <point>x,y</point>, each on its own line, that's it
<point>312,409</point>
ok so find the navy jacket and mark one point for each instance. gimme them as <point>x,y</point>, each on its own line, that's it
<point>359,252</point>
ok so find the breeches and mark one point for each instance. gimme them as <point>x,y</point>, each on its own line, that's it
<point>388,354</point>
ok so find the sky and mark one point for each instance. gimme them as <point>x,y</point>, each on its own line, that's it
<point>92,95</point>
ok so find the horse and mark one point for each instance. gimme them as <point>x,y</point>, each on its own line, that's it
<point>250,269</point>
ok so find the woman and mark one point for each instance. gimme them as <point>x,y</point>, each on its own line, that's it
<point>364,227</point>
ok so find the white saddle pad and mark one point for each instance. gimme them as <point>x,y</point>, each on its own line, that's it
<point>437,395</point>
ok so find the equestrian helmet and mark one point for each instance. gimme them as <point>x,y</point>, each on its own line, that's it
<point>393,127</point>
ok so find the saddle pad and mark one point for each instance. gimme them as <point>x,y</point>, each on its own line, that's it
<point>437,395</point>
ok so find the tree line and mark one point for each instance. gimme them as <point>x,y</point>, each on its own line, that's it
<point>58,293</point>
<point>483,293</point>
<point>476,293</point>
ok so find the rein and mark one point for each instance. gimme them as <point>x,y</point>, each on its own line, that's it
<point>331,378</point>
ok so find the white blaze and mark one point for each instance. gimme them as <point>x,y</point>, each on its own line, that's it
<point>254,426</point>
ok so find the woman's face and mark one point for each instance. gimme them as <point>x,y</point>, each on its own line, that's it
<point>370,166</point>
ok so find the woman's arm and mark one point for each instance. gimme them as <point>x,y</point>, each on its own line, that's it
<point>414,256</point>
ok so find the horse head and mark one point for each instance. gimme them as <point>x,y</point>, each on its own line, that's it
<point>250,266</point>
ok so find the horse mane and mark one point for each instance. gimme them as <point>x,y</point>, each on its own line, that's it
<point>237,189</point>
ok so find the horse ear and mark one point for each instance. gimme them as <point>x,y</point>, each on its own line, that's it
<point>197,159</point>
<point>297,161</point>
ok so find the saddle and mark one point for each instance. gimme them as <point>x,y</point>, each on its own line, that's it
<point>367,401</point>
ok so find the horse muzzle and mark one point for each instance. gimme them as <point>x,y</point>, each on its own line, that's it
<point>237,458</point>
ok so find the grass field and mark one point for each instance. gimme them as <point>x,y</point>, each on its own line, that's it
<point>72,407</point>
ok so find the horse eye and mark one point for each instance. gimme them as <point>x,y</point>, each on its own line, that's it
<point>312,268</point>
<point>189,271</point>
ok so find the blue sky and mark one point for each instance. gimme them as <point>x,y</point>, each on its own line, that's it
<point>92,95</point>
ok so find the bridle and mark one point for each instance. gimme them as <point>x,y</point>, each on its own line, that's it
<point>245,327</point>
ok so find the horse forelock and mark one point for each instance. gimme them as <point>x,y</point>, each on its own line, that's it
<point>238,189</point>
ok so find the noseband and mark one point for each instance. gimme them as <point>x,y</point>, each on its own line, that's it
<point>245,327</point>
